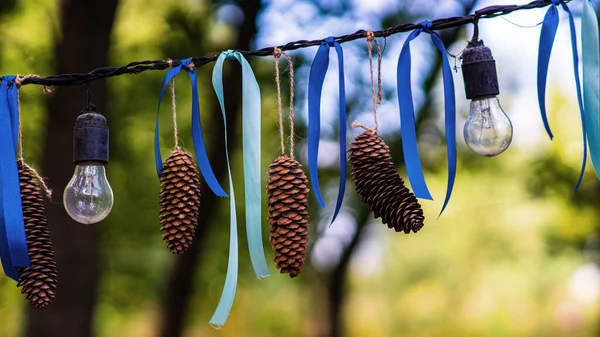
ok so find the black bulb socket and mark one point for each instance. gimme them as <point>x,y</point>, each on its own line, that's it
<point>90,137</point>
<point>479,71</point>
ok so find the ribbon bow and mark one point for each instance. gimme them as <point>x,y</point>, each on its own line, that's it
<point>199,148</point>
<point>316,77</point>
<point>548,32</point>
<point>13,243</point>
<point>251,118</point>
<point>407,116</point>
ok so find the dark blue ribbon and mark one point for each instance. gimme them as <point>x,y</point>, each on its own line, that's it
<point>199,148</point>
<point>13,243</point>
<point>548,32</point>
<point>407,116</point>
<point>316,77</point>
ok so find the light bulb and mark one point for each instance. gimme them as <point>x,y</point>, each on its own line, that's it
<point>488,131</point>
<point>88,197</point>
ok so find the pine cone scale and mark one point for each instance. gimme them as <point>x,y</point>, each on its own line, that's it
<point>288,214</point>
<point>380,186</point>
<point>39,281</point>
<point>179,201</point>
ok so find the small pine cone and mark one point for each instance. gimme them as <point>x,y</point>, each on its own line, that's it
<point>38,281</point>
<point>179,201</point>
<point>380,186</point>
<point>287,190</point>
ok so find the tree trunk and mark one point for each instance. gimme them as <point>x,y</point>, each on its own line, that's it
<point>178,287</point>
<point>86,28</point>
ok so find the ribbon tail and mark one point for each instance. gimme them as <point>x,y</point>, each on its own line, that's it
<point>343,128</point>
<point>221,314</point>
<point>590,57</point>
<point>251,129</point>
<point>316,77</point>
<point>157,156</point>
<point>198,139</point>
<point>450,117</point>
<point>549,27</point>
<point>13,250</point>
<point>579,95</point>
<point>407,122</point>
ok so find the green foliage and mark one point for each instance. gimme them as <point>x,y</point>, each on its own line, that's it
<point>496,263</point>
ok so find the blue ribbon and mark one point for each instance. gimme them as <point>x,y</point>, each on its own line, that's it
<point>548,32</point>
<point>199,148</point>
<point>407,116</point>
<point>316,77</point>
<point>590,57</point>
<point>13,243</point>
<point>251,119</point>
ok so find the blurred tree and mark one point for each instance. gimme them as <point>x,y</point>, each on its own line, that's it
<point>84,43</point>
<point>426,117</point>
<point>178,288</point>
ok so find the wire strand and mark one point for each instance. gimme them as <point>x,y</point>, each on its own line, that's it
<point>142,66</point>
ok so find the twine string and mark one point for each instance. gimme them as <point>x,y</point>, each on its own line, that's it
<point>376,96</point>
<point>277,54</point>
<point>18,81</point>
<point>174,106</point>
<point>174,109</point>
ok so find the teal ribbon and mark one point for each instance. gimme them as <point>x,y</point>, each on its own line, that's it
<point>590,56</point>
<point>13,243</point>
<point>251,118</point>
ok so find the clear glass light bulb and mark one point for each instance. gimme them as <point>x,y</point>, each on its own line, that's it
<point>88,197</point>
<point>488,131</point>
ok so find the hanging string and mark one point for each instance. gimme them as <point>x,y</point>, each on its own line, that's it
<point>277,54</point>
<point>18,81</point>
<point>375,96</point>
<point>174,108</point>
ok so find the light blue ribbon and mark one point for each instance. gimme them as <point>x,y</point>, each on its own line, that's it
<point>13,242</point>
<point>548,32</point>
<point>199,148</point>
<point>316,77</point>
<point>590,57</point>
<point>251,118</point>
<point>407,116</point>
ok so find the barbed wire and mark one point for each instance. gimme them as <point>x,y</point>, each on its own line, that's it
<point>142,66</point>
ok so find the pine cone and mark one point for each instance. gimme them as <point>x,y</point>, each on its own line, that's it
<point>179,201</point>
<point>380,186</point>
<point>287,190</point>
<point>38,281</point>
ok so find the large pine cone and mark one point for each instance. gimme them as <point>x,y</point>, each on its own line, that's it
<point>287,190</point>
<point>38,281</point>
<point>179,201</point>
<point>380,186</point>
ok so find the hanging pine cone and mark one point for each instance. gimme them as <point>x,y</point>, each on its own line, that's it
<point>38,281</point>
<point>179,201</point>
<point>380,186</point>
<point>287,190</point>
